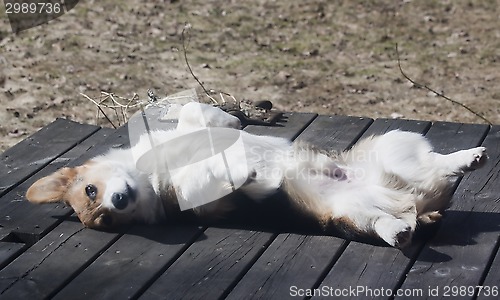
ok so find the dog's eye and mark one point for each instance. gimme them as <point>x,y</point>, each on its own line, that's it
<point>91,191</point>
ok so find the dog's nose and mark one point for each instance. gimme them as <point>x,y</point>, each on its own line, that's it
<point>120,200</point>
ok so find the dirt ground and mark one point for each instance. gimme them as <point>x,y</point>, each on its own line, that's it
<point>329,57</point>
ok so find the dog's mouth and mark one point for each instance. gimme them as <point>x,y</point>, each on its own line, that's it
<point>104,220</point>
<point>97,218</point>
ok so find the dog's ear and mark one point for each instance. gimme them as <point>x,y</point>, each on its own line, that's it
<point>51,188</point>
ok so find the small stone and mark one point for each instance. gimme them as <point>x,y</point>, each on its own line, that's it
<point>396,115</point>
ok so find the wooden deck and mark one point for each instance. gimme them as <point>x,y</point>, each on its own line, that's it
<point>46,253</point>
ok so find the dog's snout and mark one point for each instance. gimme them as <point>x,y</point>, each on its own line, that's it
<point>120,200</point>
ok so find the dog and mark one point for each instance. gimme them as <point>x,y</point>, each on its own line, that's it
<point>384,186</point>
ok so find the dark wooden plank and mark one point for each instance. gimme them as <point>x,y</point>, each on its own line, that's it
<point>130,263</point>
<point>366,267</point>
<point>28,221</point>
<point>381,126</point>
<point>288,261</point>
<point>447,137</point>
<point>335,133</point>
<point>491,283</point>
<point>460,252</point>
<point>226,274</point>
<point>9,251</point>
<point>38,150</point>
<point>360,264</point>
<point>290,126</point>
<point>210,265</point>
<point>52,261</point>
<point>4,233</point>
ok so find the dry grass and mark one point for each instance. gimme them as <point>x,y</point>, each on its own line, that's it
<point>315,56</point>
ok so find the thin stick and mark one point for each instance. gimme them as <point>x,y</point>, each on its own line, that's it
<point>184,49</point>
<point>100,109</point>
<point>437,93</point>
<point>107,118</point>
<point>118,104</point>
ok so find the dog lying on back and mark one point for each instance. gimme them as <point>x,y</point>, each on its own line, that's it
<point>384,186</point>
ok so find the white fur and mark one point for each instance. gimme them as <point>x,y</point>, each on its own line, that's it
<point>384,186</point>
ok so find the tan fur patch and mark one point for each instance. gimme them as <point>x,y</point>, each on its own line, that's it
<point>51,188</point>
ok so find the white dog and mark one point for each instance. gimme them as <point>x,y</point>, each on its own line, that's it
<point>383,186</point>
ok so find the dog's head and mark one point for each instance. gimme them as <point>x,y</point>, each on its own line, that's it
<point>103,194</point>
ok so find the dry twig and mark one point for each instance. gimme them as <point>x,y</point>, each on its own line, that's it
<point>116,104</point>
<point>436,92</point>
<point>184,50</point>
<point>185,45</point>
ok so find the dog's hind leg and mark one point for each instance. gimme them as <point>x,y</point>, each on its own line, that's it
<point>457,163</point>
<point>389,215</point>
<point>436,186</point>
<point>396,232</point>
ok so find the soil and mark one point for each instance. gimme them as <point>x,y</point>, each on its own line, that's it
<point>328,57</point>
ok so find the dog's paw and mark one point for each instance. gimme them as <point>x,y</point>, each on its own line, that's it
<point>429,217</point>
<point>403,238</point>
<point>477,157</point>
<point>394,232</point>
